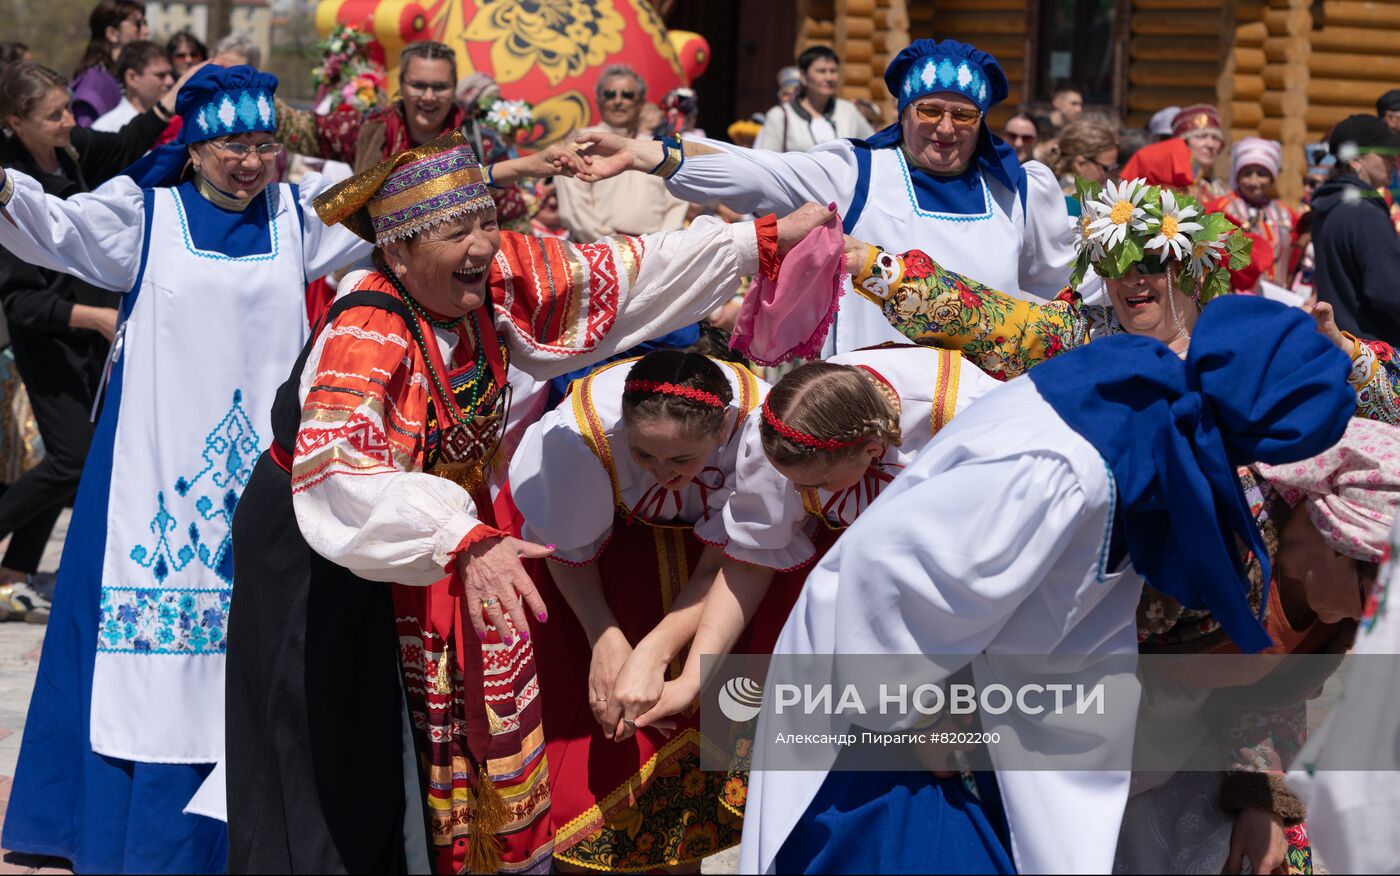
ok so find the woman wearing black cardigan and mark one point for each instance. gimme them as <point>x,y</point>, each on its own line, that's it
<point>60,327</point>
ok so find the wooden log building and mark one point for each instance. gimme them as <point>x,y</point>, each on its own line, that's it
<point>1283,69</point>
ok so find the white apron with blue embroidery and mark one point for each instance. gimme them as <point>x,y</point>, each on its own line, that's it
<point>215,318</point>
<point>205,347</point>
<point>983,232</point>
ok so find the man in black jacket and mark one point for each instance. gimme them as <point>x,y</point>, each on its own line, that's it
<point>1357,249</point>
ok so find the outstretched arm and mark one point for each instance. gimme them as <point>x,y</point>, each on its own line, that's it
<point>744,180</point>
<point>640,683</point>
<point>1375,373</point>
<point>95,236</point>
<point>1002,335</point>
<point>568,305</point>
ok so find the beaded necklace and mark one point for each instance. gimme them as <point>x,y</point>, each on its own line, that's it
<point>462,415</point>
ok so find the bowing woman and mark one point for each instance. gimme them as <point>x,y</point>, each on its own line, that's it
<point>936,180</point>
<point>627,478</point>
<point>830,438</point>
<point>384,450</point>
<point>213,257</point>
<point>1028,528</point>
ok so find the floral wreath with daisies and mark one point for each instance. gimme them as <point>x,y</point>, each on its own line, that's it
<point>1131,223</point>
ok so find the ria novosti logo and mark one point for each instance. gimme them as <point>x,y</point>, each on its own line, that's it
<point>741,699</point>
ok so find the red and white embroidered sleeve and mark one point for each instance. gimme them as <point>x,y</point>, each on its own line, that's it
<point>566,305</point>
<point>361,497</point>
<point>364,406</point>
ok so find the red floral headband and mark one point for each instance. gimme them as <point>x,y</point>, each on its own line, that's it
<point>658,387</point>
<point>801,437</point>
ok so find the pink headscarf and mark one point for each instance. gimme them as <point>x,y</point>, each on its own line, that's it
<point>1351,491</point>
<point>1267,154</point>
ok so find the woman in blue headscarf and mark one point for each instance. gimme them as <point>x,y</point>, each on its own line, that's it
<point>127,714</point>
<point>936,180</point>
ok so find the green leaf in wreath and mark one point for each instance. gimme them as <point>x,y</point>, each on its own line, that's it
<point>1240,247</point>
<point>1216,283</point>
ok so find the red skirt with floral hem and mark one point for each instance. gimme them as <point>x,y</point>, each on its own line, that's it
<point>760,637</point>
<point>642,803</point>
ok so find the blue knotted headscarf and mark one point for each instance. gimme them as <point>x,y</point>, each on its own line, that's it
<point>1260,384</point>
<point>215,102</point>
<point>927,67</point>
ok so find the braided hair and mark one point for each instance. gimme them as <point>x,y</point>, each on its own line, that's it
<point>834,404</point>
<point>679,371</point>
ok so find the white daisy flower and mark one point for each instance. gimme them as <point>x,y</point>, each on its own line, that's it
<point>497,118</point>
<point>1173,231</point>
<point>507,115</point>
<point>1086,237</point>
<point>1117,212</point>
<point>1204,257</point>
<point>519,113</point>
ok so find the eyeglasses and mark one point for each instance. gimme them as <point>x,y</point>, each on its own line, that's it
<point>963,117</point>
<point>1108,169</point>
<point>1020,138</point>
<point>243,150</point>
<point>425,88</point>
<point>609,94</point>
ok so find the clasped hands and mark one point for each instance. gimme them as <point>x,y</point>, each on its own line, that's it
<point>628,691</point>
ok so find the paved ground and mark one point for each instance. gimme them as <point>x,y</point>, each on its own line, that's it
<point>19,661</point>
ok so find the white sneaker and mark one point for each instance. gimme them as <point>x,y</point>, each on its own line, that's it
<point>19,602</point>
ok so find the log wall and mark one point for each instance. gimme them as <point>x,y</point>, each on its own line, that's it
<point>866,34</point>
<point>1284,69</point>
<point>1174,56</point>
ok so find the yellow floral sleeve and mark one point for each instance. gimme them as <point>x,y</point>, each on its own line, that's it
<point>1001,334</point>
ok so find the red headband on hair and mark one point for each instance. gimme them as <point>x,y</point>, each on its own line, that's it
<point>657,387</point>
<point>803,438</point>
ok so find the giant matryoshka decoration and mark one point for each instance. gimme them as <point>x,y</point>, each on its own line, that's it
<point>547,52</point>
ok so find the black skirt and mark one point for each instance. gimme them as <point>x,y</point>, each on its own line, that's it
<point>314,705</point>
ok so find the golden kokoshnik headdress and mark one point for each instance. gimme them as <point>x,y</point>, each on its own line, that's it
<point>414,190</point>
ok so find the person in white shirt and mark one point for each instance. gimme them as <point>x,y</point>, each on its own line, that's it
<point>631,204</point>
<point>815,115</point>
<point>146,75</point>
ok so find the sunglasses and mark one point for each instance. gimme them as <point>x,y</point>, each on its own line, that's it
<point>1020,138</point>
<point>186,56</point>
<point>1151,266</point>
<point>1108,169</point>
<point>963,117</point>
<point>609,94</point>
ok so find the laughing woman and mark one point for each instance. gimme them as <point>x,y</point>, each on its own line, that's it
<point>628,478</point>
<point>830,438</point>
<point>832,435</point>
<point>1161,259</point>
